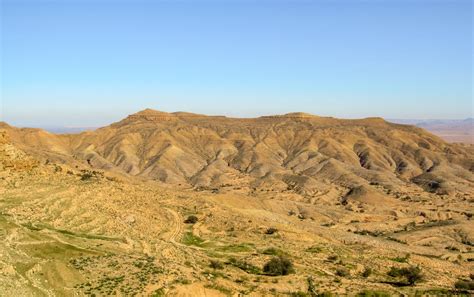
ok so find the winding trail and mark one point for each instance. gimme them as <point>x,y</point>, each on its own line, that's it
<point>176,227</point>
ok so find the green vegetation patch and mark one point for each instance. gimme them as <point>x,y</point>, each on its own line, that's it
<point>190,239</point>
<point>274,252</point>
<point>245,266</point>
<point>39,227</point>
<point>401,259</point>
<point>278,266</point>
<point>314,249</point>
<point>371,293</point>
<point>219,288</point>
<point>411,274</point>
<point>237,248</point>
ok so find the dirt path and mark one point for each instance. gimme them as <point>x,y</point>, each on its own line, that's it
<point>176,227</point>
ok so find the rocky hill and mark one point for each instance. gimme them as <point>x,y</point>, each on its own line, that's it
<point>297,152</point>
<point>292,205</point>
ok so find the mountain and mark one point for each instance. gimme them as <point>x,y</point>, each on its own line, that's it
<point>296,152</point>
<point>345,206</point>
<point>450,130</point>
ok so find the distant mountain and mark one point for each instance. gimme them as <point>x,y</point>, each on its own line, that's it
<point>68,130</point>
<point>449,130</point>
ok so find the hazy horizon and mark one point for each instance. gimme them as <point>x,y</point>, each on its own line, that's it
<point>61,128</point>
<point>83,63</point>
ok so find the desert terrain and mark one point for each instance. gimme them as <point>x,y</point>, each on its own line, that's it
<point>458,131</point>
<point>181,204</point>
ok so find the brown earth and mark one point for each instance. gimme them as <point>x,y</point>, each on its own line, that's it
<point>103,212</point>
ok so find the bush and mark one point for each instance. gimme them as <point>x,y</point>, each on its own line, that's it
<point>342,271</point>
<point>278,266</point>
<point>464,285</point>
<point>412,274</point>
<point>245,266</point>
<point>214,264</point>
<point>191,220</point>
<point>401,259</point>
<point>367,272</point>
<point>86,176</point>
<point>271,230</point>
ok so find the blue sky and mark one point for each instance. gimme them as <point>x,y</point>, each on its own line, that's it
<point>89,63</point>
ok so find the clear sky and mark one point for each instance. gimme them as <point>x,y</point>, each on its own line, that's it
<point>89,63</point>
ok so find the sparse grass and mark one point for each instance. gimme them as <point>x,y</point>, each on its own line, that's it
<point>39,227</point>
<point>438,292</point>
<point>219,288</point>
<point>236,248</point>
<point>87,175</point>
<point>314,249</point>
<point>342,272</point>
<point>298,294</point>
<point>401,259</point>
<point>464,285</point>
<point>368,232</point>
<point>274,252</point>
<point>396,240</point>
<point>371,293</point>
<point>245,266</point>
<point>158,293</point>
<point>214,264</point>
<point>183,281</point>
<point>311,286</point>
<point>190,239</point>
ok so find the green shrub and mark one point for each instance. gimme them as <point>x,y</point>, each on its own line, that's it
<point>214,264</point>
<point>370,293</point>
<point>367,272</point>
<point>401,259</point>
<point>271,231</point>
<point>342,271</point>
<point>464,285</point>
<point>86,176</point>
<point>412,274</point>
<point>191,220</point>
<point>278,266</point>
<point>247,267</point>
<point>312,291</point>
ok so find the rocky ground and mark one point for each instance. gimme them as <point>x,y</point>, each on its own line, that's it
<point>68,230</point>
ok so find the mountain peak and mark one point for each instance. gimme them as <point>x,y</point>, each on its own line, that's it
<point>149,111</point>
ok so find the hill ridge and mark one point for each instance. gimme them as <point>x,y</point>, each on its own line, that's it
<point>272,153</point>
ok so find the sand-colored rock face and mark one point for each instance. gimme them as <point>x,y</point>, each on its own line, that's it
<point>341,198</point>
<point>212,152</point>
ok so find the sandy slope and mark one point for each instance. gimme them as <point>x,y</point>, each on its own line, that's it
<point>65,232</point>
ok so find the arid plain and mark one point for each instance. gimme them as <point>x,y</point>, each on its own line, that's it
<point>183,204</point>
